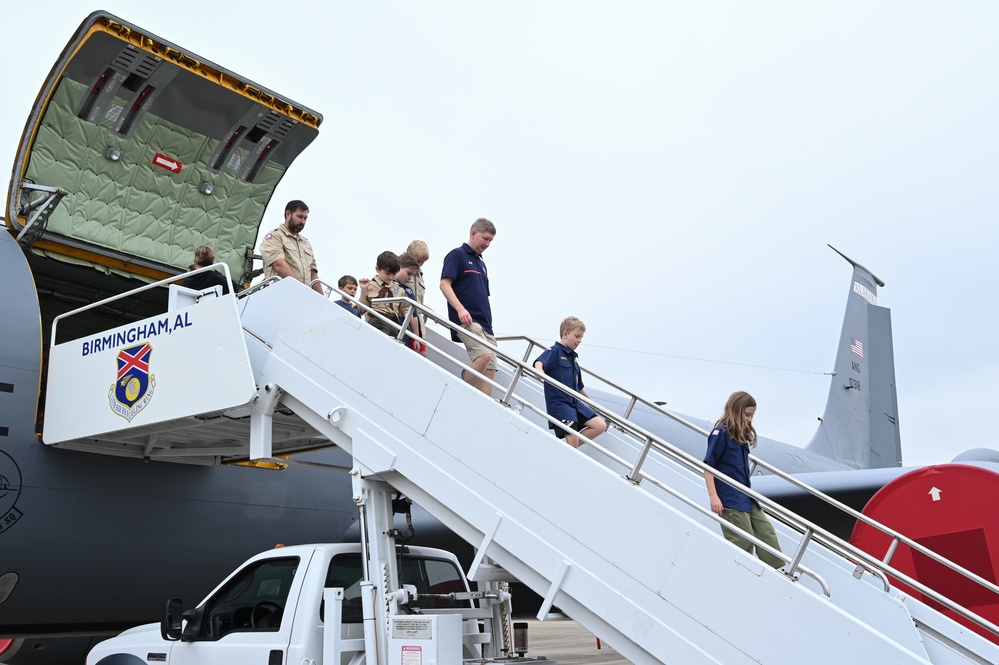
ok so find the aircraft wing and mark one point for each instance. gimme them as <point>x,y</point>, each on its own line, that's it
<point>137,151</point>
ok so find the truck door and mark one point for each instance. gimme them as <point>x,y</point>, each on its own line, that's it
<point>248,620</point>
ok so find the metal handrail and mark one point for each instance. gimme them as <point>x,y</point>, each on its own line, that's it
<point>650,440</point>
<point>403,332</point>
<point>794,562</point>
<point>522,367</point>
<point>810,532</point>
<point>896,537</point>
<point>810,529</point>
<point>273,279</point>
<point>136,291</point>
<point>633,398</point>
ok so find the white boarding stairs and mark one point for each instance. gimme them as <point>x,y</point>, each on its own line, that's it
<point>637,566</point>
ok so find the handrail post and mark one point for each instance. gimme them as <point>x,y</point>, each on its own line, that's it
<point>635,473</point>
<point>527,353</point>
<point>792,565</point>
<point>404,326</point>
<point>631,405</point>
<point>519,372</point>
<point>513,384</point>
<point>891,550</point>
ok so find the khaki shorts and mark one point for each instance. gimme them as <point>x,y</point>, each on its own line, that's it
<point>476,348</point>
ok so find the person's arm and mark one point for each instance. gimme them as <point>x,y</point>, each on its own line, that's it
<point>716,504</point>
<point>450,296</point>
<point>414,327</point>
<point>282,268</point>
<point>362,291</point>
<point>711,459</point>
<point>541,362</point>
<point>316,286</point>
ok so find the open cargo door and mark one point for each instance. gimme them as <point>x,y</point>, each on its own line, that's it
<point>138,151</point>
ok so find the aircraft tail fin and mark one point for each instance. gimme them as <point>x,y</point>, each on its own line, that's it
<point>862,393</point>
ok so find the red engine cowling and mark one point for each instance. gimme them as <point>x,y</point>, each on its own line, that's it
<point>951,510</point>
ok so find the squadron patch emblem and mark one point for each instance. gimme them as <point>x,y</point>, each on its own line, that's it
<point>10,489</point>
<point>133,387</point>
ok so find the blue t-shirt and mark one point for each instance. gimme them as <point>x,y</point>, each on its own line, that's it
<point>730,457</point>
<point>350,307</point>
<point>471,285</point>
<point>562,364</point>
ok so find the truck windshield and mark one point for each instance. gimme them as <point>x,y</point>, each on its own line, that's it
<point>429,576</point>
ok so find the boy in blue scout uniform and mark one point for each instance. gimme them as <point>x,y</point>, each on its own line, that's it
<point>348,284</point>
<point>560,362</point>
<point>409,267</point>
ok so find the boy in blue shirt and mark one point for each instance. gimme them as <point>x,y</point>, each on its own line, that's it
<point>408,268</point>
<point>561,362</point>
<point>348,284</point>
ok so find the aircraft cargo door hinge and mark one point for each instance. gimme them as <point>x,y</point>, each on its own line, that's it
<point>261,415</point>
<point>37,203</point>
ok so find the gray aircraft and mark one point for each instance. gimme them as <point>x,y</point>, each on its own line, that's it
<point>137,151</point>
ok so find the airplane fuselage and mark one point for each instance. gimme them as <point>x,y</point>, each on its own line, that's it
<point>72,522</point>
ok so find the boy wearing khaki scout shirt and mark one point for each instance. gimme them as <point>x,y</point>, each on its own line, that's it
<point>287,253</point>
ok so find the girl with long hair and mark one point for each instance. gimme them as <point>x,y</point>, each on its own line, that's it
<point>728,452</point>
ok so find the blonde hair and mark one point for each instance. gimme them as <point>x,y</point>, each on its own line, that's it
<point>204,256</point>
<point>419,250</point>
<point>734,418</point>
<point>569,324</point>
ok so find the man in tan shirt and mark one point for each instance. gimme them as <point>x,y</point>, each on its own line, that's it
<point>287,253</point>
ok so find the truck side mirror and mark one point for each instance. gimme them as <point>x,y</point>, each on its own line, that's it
<point>193,628</point>
<point>170,623</point>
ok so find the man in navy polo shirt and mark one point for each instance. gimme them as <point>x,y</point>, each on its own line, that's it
<point>465,285</point>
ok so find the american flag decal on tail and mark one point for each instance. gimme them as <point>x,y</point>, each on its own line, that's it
<point>857,347</point>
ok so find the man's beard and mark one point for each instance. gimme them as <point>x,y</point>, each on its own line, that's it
<point>295,227</point>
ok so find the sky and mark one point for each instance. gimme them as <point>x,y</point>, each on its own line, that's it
<point>670,172</point>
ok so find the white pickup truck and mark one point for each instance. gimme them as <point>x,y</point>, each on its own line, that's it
<point>285,607</point>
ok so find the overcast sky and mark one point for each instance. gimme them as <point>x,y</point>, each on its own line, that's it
<point>670,172</point>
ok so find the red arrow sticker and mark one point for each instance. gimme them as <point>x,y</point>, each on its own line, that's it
<point>168,163</point>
